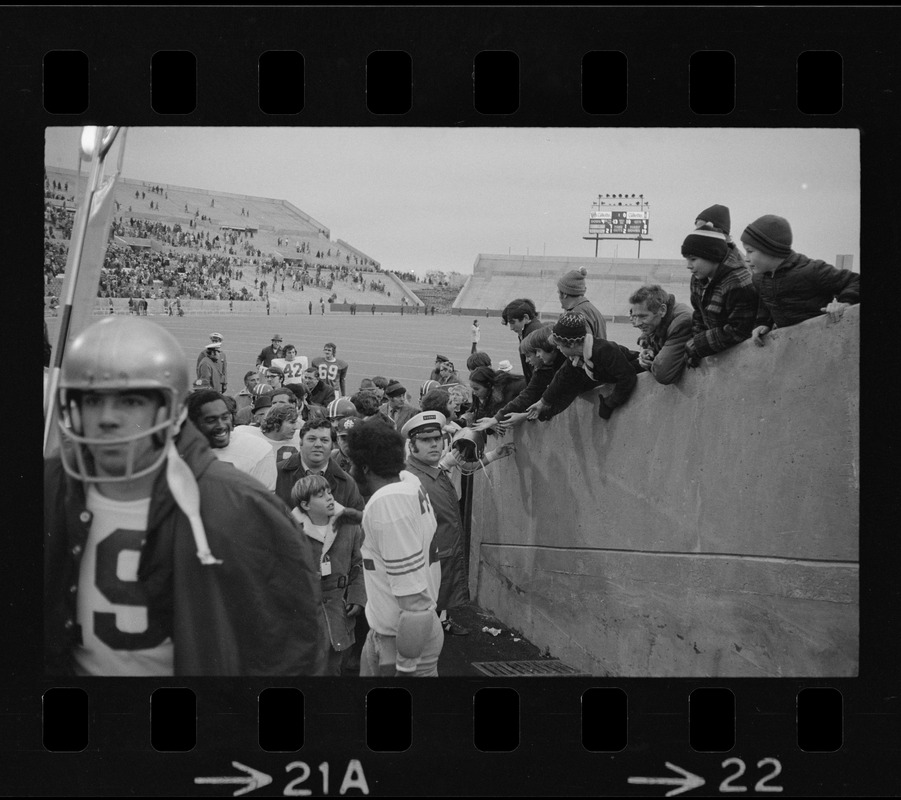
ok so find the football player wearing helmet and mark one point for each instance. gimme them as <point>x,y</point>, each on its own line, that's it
<point>159,558</point>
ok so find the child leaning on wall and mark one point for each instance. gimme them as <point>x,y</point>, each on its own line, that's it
<point>792,287</point>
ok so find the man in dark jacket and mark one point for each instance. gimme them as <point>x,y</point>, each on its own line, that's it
<point>159,558</point>
<point>271,351</point>
<point>318,392</point>
<point>314,458</point>
<point>425,432</point>
<point>792,287</point>
<point>665,327</point>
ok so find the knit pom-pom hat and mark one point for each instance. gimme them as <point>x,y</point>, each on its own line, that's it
<point>716,218</point>
<point>708,244</point>
<point>573,283</point>
<point>769,234</point>
<point>570,328</point>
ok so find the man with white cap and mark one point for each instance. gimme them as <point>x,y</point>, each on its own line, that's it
<point>159,559</point>
<point>216,338</point>
<point>425,433</point>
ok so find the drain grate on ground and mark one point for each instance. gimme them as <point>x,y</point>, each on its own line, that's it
<point>525,669</point>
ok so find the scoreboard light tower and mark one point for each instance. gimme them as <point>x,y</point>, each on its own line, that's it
<point>618,217</point>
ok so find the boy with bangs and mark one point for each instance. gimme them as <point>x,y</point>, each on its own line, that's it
<point>336,543</point>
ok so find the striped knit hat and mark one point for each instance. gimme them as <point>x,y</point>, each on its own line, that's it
<point>715,217</point>
<point>704,243</point>
<point>769,234</point>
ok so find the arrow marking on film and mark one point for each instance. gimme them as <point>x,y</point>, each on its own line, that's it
<point>256,779</point>
<point>686,783</point>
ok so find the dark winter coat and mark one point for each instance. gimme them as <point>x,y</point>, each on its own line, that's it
<point>799,287</point>
<point>256,613</point>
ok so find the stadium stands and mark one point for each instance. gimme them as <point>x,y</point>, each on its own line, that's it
<point>497,279</point>
<point>214,247</point>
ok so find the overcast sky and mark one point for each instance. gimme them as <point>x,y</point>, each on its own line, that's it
<point>434,198</point>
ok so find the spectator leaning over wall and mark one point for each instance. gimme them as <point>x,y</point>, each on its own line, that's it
<point>791,286</point>
<point>590,362</point>
<point>722,296</point>
<point>522,318</point>
<point>665,327</point>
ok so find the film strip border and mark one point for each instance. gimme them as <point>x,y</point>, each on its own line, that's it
<point>646,54</point>
<point>452,737</point>
<point>388,81</point>
<point>495,713</point>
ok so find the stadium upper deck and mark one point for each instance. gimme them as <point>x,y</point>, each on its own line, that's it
<point>280,232</point>
<point>279,227</point>
<point>497,279</point>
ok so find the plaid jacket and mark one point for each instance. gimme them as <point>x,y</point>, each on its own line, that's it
<point>725,307</point>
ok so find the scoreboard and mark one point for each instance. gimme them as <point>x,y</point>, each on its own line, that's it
<point>603,221</point>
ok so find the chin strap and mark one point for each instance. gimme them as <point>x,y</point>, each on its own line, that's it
<point>183,485</point>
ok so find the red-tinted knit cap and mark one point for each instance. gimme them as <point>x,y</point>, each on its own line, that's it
<point>573,283</point>
<point>704,243</point>
<point>571,327</point>
<point>769,234</point>
<point>716,217</point>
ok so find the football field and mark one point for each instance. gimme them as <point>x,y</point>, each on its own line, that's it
<point>402,347</point>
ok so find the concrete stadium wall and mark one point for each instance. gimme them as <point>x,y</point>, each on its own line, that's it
<point>710,528</point>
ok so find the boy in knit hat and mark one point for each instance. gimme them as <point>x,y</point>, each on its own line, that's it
<point>590,362</point>
<point>722,296</point>
<point>791,286</point>
<point>571,291</point>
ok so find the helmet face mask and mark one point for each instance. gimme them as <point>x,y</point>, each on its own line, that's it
<point>470,443</point>
<point>78,460</point>
<point>114,356</point>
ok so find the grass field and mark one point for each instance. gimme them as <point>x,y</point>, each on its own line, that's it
<point>383,344</point>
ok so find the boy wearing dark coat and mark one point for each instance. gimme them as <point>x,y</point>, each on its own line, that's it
<point>522,318</point>
<point>336,546</point>
<point>722,296</point>
<point>792,287</point>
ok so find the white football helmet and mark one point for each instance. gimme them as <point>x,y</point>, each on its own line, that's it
<point>121,353</point>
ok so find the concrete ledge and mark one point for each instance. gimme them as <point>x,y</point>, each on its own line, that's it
<point>750,462</point>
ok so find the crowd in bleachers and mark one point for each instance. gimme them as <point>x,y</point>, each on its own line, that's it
<point>201,258</point>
